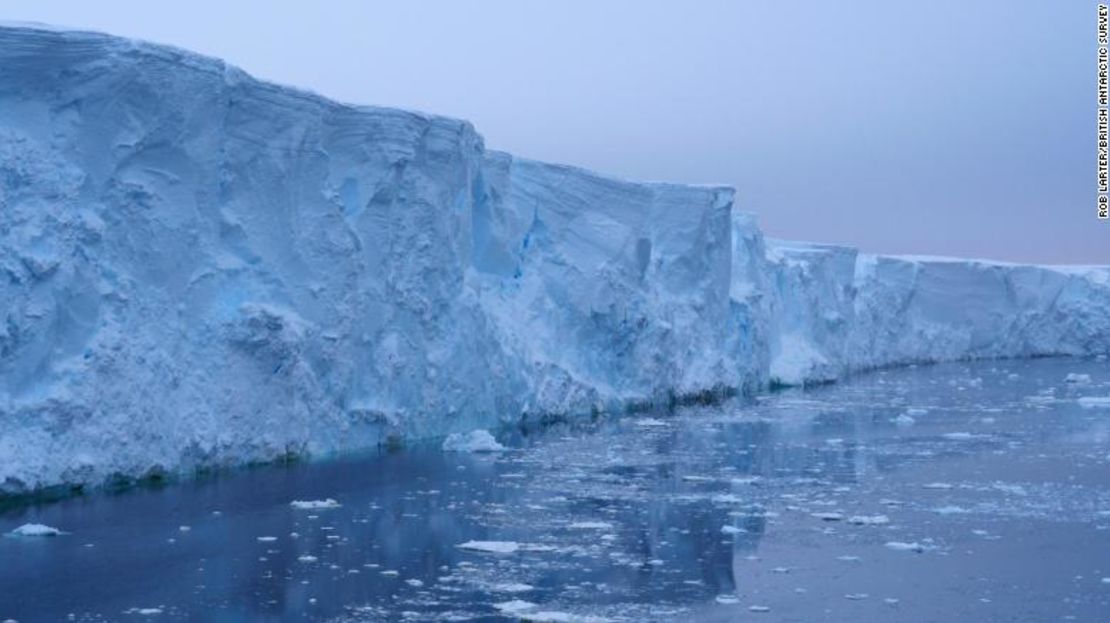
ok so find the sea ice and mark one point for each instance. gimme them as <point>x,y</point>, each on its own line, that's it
<point>1095,402</point>
<point>35,529</point>
<point>315,504</point>
<point>869,520</point>
<point>494,547</point>
<point>902,546</point>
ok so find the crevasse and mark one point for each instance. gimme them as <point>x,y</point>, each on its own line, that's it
<point>202,269</point>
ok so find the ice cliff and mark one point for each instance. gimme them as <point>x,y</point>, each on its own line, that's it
<point>201,269</point>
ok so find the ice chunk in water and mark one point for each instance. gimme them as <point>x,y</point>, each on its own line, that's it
<point>35,529</point>
<point>1095,402</point>
<point>901,546</point>
<point>869,520</point>
<point>315,504</point>
<point>493,547</point>
<point>474,441</point>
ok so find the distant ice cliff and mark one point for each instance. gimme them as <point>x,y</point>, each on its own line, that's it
<point>201,269</point>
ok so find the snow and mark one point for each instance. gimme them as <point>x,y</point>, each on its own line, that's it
<point>35,529</point>
<point>204,269</point>
<point>474,441</point>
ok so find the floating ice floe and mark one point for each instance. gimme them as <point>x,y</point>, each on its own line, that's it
<point>1078,379</point>
<point>144,611</point>
<point>315,505</point>
<point>512,587</point>
<point>516,606</point>
<point>547,616</point>
<point>869,520</point>
<point>828,516</point>
<point>35,529</point>
<point>267,539</point>
<point>732,530</point>
<point>474,441</point>
<point>904,420</point>
<point>650,421</point>
<point>759,609</point>
<point>492,547</point>
<point>1095,402</point>
<point>902,546</point>
<point>591,525</point>
<point>727,599</point>
<point>306,558</point>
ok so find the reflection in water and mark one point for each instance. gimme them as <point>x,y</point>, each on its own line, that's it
<point>701,513</point>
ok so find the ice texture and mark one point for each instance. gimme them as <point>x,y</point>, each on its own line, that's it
<point>202,269</point>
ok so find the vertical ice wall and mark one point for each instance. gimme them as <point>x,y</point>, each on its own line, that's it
<point>609,292</point>
<point>836,311</point>
<point>200,268</point>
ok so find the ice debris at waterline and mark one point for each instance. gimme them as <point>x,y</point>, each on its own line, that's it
<point>203,269</point>
<point>474,441</point>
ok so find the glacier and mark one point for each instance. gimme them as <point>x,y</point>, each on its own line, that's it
<point>201,269</point>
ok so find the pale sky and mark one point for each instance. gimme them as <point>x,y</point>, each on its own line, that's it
<point>945,127</point>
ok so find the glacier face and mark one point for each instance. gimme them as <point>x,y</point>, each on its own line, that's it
<point>202,269</point>
<point>838,311</point>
